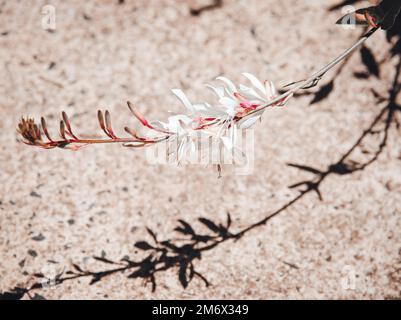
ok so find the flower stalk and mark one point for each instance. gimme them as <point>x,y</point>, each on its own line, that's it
<point>237,109</point>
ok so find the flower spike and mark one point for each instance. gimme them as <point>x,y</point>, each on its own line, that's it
<point>238,108</point>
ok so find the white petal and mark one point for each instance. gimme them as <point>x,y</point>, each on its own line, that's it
<point>174,126</point>
<point>273,88</point>
<point>270,90</point>
<point>239,157</point>
<point>192,147</point>
<point>231,112</point>
<point>227,102</point>
<point>181,117</point>
<point>175,123</point>
<point>250,93</point>
<point>181,150</point>
<point>248,122</point>
<point>219,91</point>
<point>159,125</point>
<point>200,106</point>
<point>233,133</point>
<point>227,142</point>
<point>229,83</point>
<point>181,95</point>
<point>214,113</point>
<point>255,82</point>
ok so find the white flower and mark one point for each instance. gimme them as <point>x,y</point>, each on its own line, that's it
<point>220,122</point>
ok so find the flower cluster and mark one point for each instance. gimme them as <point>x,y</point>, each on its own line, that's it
<point>237,109</point>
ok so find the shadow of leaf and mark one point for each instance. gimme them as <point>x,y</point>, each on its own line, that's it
<point>323,92</point>
<point>369,60</point>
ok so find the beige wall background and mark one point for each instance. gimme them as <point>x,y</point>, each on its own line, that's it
<point>59,208</point>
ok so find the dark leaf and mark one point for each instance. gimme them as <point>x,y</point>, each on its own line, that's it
<point>296,185</point>
<point>228,220</point>
<point>202,238</point>
<point>37,195</point>
<point>361,75</point>
<point>396,49</point>
<point>323,93</point>
<point>369,61</point>
<point>152,234</point>
<point>304,168</point>
<point>341,168</point>
<point>95,278</point>
<point>191,271</point>
<point>182,274</point>
<point>143,245</point>
<point>378,96</point>
<point>215,4</point>
<point>168,244</point>
<point>39,237</point>
<point>102,259</point>
<point>32,253</point>
<point>389,10</point>
<point>38,297</point>
<point>210,224</point>
<point>138,274</point>
<point>202,278</point>
<point>38,275</point>
<point>186,229</point>
<point>15,294</point>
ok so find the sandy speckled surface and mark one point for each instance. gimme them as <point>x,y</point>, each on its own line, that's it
<point>59,207</point>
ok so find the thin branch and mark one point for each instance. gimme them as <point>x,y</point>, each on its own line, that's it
<point>317,76</point>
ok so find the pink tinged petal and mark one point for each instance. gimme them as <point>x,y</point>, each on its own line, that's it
<point>231,112</point>
<point>229,84</point>
<point>181,117</point>
<point>138,115</point>
<point>270,90</point>
<point>255,82</point>
<point>75,147</point>
<point>228,102</point>
<point>283,102</point>
<point>158,125</point>
<point>243,102</point>
<point>183,98</point>
<point>250,93</point>
<point>176,123</point>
